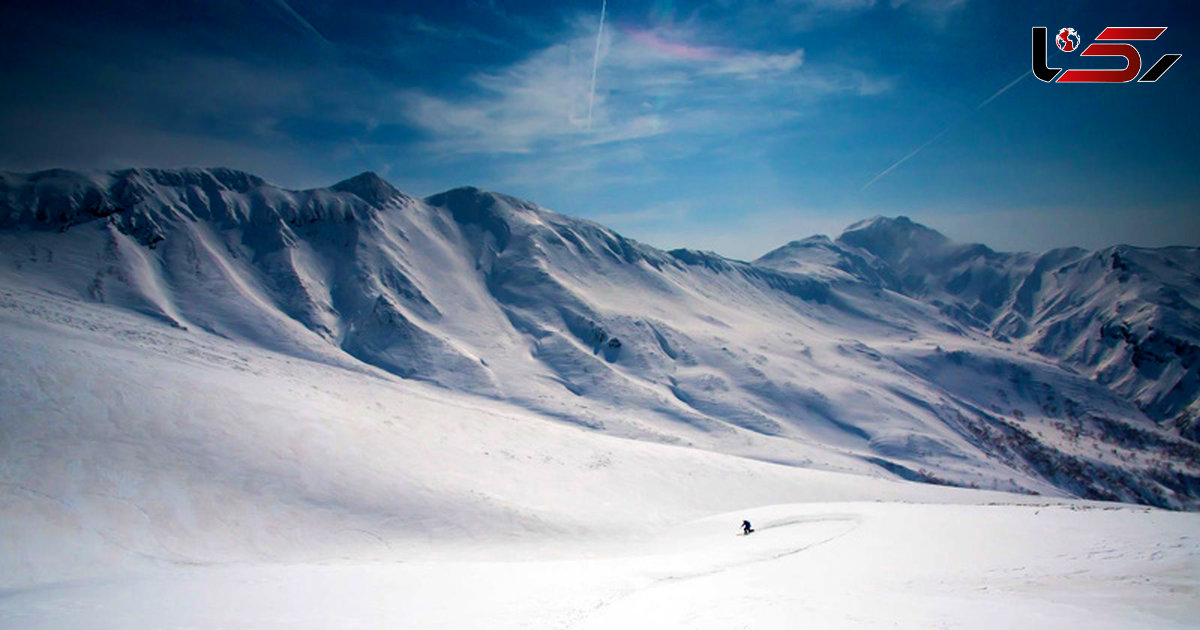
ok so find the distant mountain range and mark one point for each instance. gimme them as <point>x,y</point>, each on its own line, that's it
<point>889,348</point>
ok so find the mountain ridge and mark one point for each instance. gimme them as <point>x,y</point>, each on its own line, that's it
<point>887,349</point>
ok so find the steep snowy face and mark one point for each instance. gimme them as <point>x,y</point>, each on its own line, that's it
<point>1126,316</point>
<point>898,241</point>
<point>371,188</point>
<point>970,283</point>
<point>1130,318</point>
<point>818,256</point>
<point>880,351</point>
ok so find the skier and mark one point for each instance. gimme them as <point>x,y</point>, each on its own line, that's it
<point>746,529</point>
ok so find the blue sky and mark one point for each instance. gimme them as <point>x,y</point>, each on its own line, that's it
<point>732,126</point>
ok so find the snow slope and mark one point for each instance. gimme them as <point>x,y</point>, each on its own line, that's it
<point>231,405</point>
<point>156,477</point>
<point>846,357</point>
<point>827,565</point>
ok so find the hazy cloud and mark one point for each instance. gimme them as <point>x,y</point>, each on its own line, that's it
<point>652,81</point>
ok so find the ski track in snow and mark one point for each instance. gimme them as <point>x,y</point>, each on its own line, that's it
<point>675,578</point>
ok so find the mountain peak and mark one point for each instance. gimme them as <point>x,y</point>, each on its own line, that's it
<point>469,204</point>
<point>474,196</point>
<point>891,238</point>
<point>899,223</point>
<point>369,187</point>
<point>816,240</point>
<point>456,195</point>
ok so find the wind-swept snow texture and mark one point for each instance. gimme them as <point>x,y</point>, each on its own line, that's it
<point>887,349</point>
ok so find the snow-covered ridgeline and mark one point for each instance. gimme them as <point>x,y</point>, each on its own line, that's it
<point>888,350</point>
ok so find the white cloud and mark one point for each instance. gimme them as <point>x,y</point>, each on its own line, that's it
<point>652,82</point>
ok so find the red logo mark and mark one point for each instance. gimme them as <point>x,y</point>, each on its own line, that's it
<point>1068,40</point>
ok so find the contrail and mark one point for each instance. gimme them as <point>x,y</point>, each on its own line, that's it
<point>906,157</point>
<point>981,105</point>
<point>596,62</point>
<point>298,20</point>
<point>909,156</point>
<point>1003,90</point>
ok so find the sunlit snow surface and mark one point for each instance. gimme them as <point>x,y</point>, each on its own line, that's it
<point>226,404</point>
<point>826,565</point>
<point>157,478</point>
<point>889,350</point>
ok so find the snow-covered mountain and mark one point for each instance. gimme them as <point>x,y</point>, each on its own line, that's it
<point>888,350</point>
<point>1125,316</point>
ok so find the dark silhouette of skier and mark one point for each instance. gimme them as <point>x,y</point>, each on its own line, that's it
<point>746,529</point>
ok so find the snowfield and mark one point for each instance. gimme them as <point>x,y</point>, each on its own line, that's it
<point>156,478</point>
<point>225,404</point>
<point>825,565</point>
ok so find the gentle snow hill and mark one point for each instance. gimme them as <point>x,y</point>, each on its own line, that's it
<point>886,351</point>
<point>129,445</point>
